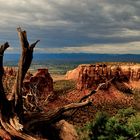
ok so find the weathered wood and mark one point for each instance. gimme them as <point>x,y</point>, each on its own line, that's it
<point>48,118</point>
<point>4,104</point>
<point>4,135</point>
<point>2,49</point>
<point>10,113</point>
<point>13,132</point>
<point>23,66</point>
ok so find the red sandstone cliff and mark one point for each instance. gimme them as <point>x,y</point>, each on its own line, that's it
<point>41,81</point>
<point>89,75</point>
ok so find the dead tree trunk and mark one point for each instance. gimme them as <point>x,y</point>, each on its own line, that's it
<point>3,101</point>
<point>6,115</point>
<point>24,64</point>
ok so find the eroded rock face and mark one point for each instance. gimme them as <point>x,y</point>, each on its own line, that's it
<point>73,74</point>
<point>88,75</point>
<point>37,88</point>
<point>41,81</point>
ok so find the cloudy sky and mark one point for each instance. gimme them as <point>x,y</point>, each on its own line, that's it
<point>73,26</point>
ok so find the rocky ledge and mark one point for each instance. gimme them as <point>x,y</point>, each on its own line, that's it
<point>89,74</point>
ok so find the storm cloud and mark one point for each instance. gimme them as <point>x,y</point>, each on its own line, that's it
<point>97,26</point>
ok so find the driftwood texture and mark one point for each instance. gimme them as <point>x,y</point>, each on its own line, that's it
<point>24,64</point>
<point>3,101</point>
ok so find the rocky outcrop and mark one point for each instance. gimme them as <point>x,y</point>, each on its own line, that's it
<point>73,74</point>
<point>89,75</point>
<point>41,81</point>
<point>37,87</point>
<point>66,131</point>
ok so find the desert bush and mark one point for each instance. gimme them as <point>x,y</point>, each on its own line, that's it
<point>123,126</point>
<point>136,94</point>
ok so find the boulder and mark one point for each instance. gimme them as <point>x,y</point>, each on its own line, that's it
<point>66,131</point>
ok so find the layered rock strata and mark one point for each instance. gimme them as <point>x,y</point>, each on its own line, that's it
<point>89,75</point>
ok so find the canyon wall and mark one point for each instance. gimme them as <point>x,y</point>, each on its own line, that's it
<point>89,75</point>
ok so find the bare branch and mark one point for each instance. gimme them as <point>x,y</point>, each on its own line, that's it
<point>3,48</point>
<point>97,89</point>
<point>34,44</point>
<point>93,92</point>
<point>37,118</point>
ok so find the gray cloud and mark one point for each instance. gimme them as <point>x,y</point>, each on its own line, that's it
<point>67,23</point>
<point>96,48</point>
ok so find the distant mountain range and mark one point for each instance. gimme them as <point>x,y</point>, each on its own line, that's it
<point>79,57</point>
<point>61,63</point>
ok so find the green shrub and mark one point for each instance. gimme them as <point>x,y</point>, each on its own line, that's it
<point>134,125</point>
<point>99,125</point>
<point>123,126</point>
<point>136,94</point>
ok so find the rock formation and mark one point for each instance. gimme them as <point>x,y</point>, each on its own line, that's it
<point>89,75</point>
<point>41,80</point>
<point>66,131</point>
<point>37,87</point>
<point>73,74</point>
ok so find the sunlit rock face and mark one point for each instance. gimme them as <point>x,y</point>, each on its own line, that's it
<point>73,74</point>
<point>89,75</point>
